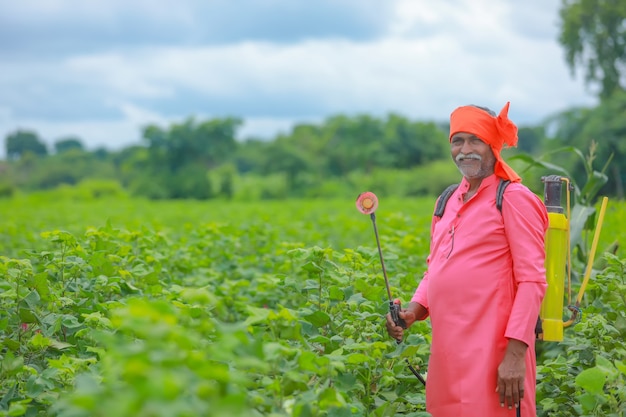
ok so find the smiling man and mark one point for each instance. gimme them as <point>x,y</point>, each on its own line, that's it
<point>485,279</point>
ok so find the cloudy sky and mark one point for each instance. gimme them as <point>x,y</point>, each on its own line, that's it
<point>102,69</point>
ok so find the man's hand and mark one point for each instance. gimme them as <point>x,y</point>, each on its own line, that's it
<point>410,315</point>
<point>511,373</point>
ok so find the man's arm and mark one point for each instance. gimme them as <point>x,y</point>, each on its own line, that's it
<point>511,374</point>
<point>525,225</point>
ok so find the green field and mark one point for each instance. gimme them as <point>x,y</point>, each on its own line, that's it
<point>324,223</point>
<point>126,307</point>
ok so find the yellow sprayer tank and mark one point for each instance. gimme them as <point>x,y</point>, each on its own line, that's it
<point>556,260</point>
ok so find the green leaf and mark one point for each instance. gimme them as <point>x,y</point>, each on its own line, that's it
<point>18,408</point>
<point>330,398</point>
<point>588,401</point>
<point>257,315</point>
<point>309,361</point>
<point>33,386</point>
<point>358,358</point>
<point>11,364</point>
<point>312,266</point>
<point>594,183</point>
<point>27,316</point>
<point>39,341</point>
<point>8,396</point>
<point>32,299</point>
<point>579,217</point>
<point>70,322</point>
<point>592,380</point>
<point>129,288</point>
<point>621,366</point>
<point>58,345</point>
<point>537,163</point>
<point>335,293</point>
<point>318,318</point>
<point>39,282</point>
<point>303,410</point>
<point>606,367</point>
<point>11,344</point>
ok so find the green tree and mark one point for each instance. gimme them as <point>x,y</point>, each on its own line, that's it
<point>252,155</point>
<point>66,144</point>
<point>530,138</point>
<point>216,140</point>
<point>210,142</point>
<point>180,156</point>
<point>191,181</point>
<point>593,34</point>
<point>290,160</point>
<point>23,141</point>
<point>354,144</point>
<point>69,167</point>
<point>410,144</point>
<point>226,174</point>
<point>603,125</point>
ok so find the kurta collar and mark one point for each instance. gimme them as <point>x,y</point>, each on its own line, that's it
<point>486,182</point>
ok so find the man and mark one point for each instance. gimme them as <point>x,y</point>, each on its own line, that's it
<point>485,280</point>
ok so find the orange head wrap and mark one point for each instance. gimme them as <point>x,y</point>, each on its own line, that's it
<point>494,131</point>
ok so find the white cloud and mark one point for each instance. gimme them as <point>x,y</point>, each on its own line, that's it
<point>437,55</point>
<point>117,74</point>
<point>390,74</point>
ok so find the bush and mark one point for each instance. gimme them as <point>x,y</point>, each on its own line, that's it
<point>254,187</point>
<point>585,375</point>
<point>426,180</point>
<point>101,188</point>
<point>7,190</point>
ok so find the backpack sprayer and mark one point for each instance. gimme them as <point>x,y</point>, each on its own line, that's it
<point>558,260</point>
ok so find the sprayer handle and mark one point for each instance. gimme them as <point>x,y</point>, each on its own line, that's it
<point>394,310</point>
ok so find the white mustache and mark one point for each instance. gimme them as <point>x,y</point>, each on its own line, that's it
<point>461,156</point>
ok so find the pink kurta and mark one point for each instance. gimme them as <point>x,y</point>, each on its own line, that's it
<point>484,285</point>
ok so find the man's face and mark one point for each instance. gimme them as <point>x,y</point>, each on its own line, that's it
<point>472,156</point>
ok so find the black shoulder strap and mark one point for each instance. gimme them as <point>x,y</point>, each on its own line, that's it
<point>500,193</point>
<point>443,199</point>
<point>445,196</point>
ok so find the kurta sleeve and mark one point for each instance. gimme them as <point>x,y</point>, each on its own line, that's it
<point>525,223</point>
<point>421,294</point>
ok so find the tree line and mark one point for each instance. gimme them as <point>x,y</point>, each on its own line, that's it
<point>202,159</point>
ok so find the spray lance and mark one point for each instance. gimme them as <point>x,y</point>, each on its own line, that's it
<point>558,260</point>
<point>367,203</point>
